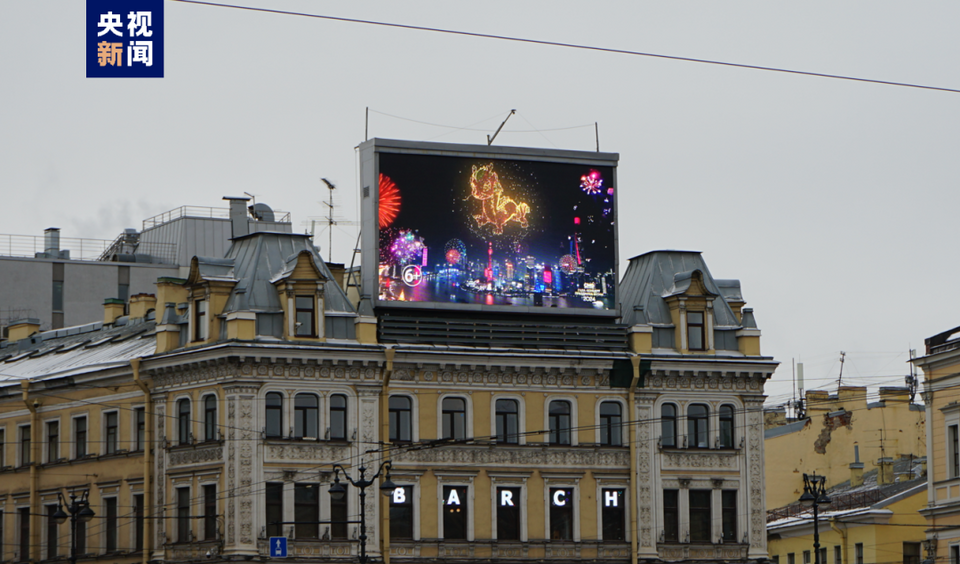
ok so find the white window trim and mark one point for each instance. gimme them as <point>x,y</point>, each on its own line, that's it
<point>508,481</point>
<point>521,416</point>
<point>624,438</point>
<point>574,418</point>
<point>324,412</point>
<point>566,482</point>
<point>414,412</point>
<point>468,415</point>
<point>285,418</point>
<point>459,480</point>
<point>613,483</point>
<point>951,417</point>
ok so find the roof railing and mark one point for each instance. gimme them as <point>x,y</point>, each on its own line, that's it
<point>34,245</point>
<point>202,212</point>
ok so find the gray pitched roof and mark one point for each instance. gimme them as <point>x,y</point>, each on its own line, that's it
<point>657,274</point>
<point>260,258</point>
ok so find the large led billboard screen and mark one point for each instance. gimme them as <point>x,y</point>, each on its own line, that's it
<point>490,228</point>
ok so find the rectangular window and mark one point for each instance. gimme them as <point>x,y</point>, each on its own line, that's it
<point>401,513</point>
<point>81,538</point>
<point>954,451</point>
<point>183,515</point>
<point>3,453</point>
<point>24,514</point>
<point>508,513</point>
<point>306,510</point>
<point>111,430</point>
<point>455,512</point>
<point>955,554</point>
<point>671,515</point>
<point>507,420</point>
<point>700,515</point>
<point>823,555</point>
<point>561,514</point>
<point>210,512</point>
<point>57,304</point>
<point>454,418</point>
<point>728,509</point>
<point>400,419</point>
<point>140,415</point>
<point>339,517</point>
<point>138,520</point>
<point>613,514</point>
<point>791,558</point>
<point>53,441</point>
<point>806,557</point>
<point>837,555</point>
<point>25,445</point>
<point>274,495</point>
<point>199,320</point>
<point>80,436</point>
<point>775,559</point>
<point>306,320</point>
<point>911,553</point>
<point>110,523</point>
<point>52,532</point>
<point>858,553</point>
<point>695,331</point>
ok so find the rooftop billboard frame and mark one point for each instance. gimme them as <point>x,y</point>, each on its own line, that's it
<point>517,259</point>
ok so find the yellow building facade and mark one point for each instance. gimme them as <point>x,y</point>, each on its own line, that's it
<point>214,415</point>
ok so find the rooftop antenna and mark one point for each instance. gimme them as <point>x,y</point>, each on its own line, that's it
<point>253,199</point>
<point>798,406</point>
<point>330,221</point>
<point>912,381</point>
<point>490,139</point>
<point>843,356</point>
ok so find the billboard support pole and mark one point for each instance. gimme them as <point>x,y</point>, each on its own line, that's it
<point>596,130</point>
<point>490,139</point>
<point>366,124</point>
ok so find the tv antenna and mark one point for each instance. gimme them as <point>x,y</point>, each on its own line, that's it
<point>497,132</point>
<point>330,219</point>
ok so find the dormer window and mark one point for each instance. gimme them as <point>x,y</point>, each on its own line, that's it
<point>306,325</point>
<point>200,320</point>
<point>695,340</point>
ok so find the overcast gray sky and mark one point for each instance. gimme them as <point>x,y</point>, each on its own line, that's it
<point>833,202</point>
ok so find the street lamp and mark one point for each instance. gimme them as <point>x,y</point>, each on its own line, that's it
<point>79,511</point>
<point>337,491</point>
<point>815,495</point>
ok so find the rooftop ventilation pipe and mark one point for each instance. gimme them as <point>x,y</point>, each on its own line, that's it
<point>238,216</point>
<point>51,241</point>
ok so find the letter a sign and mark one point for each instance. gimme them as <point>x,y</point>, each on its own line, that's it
<point>278,547</point>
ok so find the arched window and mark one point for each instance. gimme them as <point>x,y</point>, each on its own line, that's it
<point>274,414</point>
<point>210,418</point>
<point>183,421</point>
<point>559,422</point>
<point>454,415</point>
<point>507,416</point>
<point>338,417</point>
<point>305,410</point>
<point>610,421</point>
<point>726,426</point>
<point>401,424</point>
<point>668,425</point>
<point>698,426</point>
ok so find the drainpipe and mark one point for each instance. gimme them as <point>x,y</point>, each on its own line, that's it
<point>34,471</point>
<point>385,439</point>
<point>843,536</point>
<point>632,410</point>
<point>147,458</point>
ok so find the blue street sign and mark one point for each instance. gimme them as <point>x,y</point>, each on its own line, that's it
<point>278,547</point>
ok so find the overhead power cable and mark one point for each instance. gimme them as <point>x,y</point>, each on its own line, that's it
<point>572,46</point>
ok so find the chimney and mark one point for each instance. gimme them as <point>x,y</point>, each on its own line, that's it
<point>894,394</point>
<point>112,309</point>
<point>51,242</point>
<point>140,304</point>
<point>238,216</point>
<point>818,400</point>
<point>885,474</point>
<point>337,270</point>
<point>856,469</point>
<point>168,329</point>
<point>22,329</point>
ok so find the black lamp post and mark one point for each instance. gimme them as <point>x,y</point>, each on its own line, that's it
<point>79,511</point>
<point>337,491</point>
<point>815,495</point>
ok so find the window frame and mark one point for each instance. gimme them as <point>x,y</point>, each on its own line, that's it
<point>570,506</point>
<point>699,328</point>
<point>693,427</point>
<point>444,411</point>
<point>520,504</point>
<point>182,516</point>
<point>604,423</point>
<point>671,514</point>
<point>674,421</point>
<point>303,530</point>
<point>339,412</point>
<point>184,421</point>
<point>604,510</point>
<point>52,442</point>
<point>702,513</point>
<point>111,523</point>
<point>858,553</point>
<point>395,419</point>
<point>306,416</point>
<point>210,417</point>
<point>409,504</point>
<point>209,501</point>
<point>139,517</point>
<point>953,450</point>
<point>560,434</point>
<point>729,516</point>
<point>139,432</point>
<point>111,440</point>
<point>200,321</point>
<point>466,503</point>
<point>273,505</point>
<point>76,432</point>
<point>728,421</point>
<point>24,448</point>
<point>276,411</point>
<point>497,413</point>
<point>52,540</point>
<point>312,311</point>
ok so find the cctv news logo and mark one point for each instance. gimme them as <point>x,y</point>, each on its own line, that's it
<point>124,38</point>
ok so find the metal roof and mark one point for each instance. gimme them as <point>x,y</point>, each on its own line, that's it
<point>652,276</point>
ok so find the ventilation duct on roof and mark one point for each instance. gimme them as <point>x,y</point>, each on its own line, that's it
<point>238,216</point>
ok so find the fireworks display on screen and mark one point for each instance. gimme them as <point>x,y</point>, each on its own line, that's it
<point>496,232</point>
